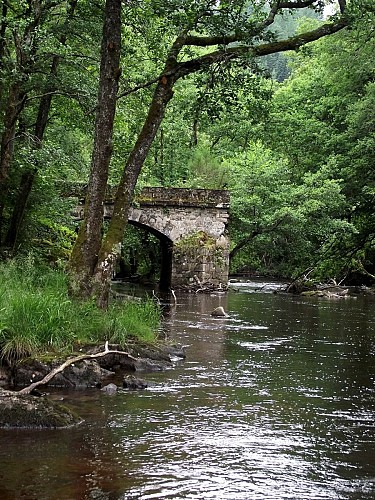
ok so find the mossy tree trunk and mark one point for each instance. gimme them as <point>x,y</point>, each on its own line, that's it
<point>86,250</point>
<point>110,247</point>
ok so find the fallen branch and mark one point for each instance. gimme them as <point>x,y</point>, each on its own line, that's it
<point>68,362</point>
<point>174,297</point>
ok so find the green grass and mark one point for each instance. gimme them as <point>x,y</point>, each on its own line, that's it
<point>37,315</point>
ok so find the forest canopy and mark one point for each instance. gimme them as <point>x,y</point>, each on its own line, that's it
<point>271,100</point>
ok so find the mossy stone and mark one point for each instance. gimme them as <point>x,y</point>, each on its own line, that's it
<point>34,412</point>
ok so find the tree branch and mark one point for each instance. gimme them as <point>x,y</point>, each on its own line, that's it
<point>278,5</point>
<point>138,87</point>
<point>68,362</point>
<point>242,243</point>
<point>52,93</point>
<point>207,41</point>
<point>231,53</point>
<point>171,63</point>
<point>271,16</point>
<point>247,239</point>
<point>196,64</point>
<point>298,4</point>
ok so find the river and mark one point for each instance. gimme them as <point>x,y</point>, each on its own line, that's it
<point>274,402</point>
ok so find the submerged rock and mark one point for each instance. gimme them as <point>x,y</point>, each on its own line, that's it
<point>133,383</point>
<point>219,312</point>
<point>21,411</point>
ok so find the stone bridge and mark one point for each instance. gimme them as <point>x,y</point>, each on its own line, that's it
<point>191,227</point>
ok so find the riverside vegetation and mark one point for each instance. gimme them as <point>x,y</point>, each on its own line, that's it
<point>37,316</point>
<point>41,326</point>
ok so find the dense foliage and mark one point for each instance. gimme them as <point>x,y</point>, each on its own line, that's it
<point>291,137</point>
<point>321,121</point>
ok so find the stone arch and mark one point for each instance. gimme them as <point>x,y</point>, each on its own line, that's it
<point>166,250</point>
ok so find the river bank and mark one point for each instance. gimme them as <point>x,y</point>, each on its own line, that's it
<point>94,366</point>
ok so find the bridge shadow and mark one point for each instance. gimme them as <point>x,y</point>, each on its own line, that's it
<point>166,253</point>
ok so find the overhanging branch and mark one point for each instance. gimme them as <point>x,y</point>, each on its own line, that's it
<point>209,41</point>
<point>247,239</point>
<point>232,53</point>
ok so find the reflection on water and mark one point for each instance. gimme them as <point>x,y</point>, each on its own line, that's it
<point>274,402</point>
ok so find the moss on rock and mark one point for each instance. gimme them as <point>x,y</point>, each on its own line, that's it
<point>34,412</point>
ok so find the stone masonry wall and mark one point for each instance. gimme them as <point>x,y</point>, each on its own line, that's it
<point>176,223</point>
<point>195,221</point>
<point>200,258</point>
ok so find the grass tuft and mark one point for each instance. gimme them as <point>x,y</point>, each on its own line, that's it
<point>36,314</point>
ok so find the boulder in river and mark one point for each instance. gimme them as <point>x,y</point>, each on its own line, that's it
<point>21,411</point>
<point>109,389</point>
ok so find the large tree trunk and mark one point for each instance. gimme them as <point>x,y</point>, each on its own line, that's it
<point>86,249</point>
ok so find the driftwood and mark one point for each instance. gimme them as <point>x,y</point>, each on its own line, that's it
<point>203,287</point>
<point>68,362</point>
<point>329,293</point>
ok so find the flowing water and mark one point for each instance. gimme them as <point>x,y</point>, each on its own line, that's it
<point>274,402</point>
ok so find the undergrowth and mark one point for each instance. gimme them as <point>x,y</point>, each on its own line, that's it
<point>37,315</point>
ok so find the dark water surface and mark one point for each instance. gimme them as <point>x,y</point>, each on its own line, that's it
<point>274,402</point>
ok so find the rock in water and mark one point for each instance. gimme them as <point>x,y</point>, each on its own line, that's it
<point>134,383</point>
<point>219,312</point>
<point>22,411</point>
<point>109,389</point>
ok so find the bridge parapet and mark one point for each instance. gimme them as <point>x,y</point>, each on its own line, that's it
<point>159,196</point>
<point>182,197</point>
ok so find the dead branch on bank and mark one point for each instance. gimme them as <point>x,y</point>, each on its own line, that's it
<point>68,362</point>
